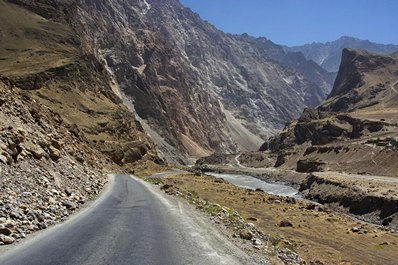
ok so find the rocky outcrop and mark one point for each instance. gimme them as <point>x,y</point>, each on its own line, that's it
<point>364,81</point>
<point>376,208</point>
<point>307,166</point>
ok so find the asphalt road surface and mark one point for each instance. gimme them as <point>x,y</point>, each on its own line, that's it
<point>131,223</point>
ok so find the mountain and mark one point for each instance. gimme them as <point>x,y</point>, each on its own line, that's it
<point>362,105</point>
<point>365,81</point>
<point>328,55</point>
<point>194,89</point>
<point>322,79</point>
<point>344,152</point>
<point>45,58</point>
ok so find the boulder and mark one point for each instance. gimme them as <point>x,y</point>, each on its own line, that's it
<point>69,205</point>
<point>246,234</point>
<point>3,159</point>
<point>308,166</point>
<point>285,223</point>
<point>55,154</point>
<point>7,239</point>
<point>5,231</point>
<point>36,151</point>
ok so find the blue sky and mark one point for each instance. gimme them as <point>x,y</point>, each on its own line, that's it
<point>295,22</point>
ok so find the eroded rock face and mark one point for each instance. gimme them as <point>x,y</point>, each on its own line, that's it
<point>348,131</point>
<point>198,89</point>
<point>364,81</point>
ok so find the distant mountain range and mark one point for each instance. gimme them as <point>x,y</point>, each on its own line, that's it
<point>328,55</point>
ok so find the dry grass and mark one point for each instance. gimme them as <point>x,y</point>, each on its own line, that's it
<point>30,44</point>
<point>85,109</point>
<point>316,234</point>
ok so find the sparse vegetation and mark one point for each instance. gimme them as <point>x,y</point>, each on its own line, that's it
<point>390,143</point>
<point>315,228</point>
<point>378,247</point>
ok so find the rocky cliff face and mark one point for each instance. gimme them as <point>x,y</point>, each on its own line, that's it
<point>321,79</point>
<point>359,117</point>
<point>365,81</point>
<point>194,89</point>
<point>199,90</point>
<point>328,55</point>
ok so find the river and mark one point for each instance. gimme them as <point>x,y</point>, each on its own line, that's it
<point>250,182</point>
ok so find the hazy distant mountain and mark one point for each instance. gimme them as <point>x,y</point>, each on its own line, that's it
<point>328,55</point>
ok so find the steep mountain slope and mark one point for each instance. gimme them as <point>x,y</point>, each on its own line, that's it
<point>347,148</point>
<point>48,168</point>
<point>365,81</point>
<point>360,116</point>
<point>328,55</point>
<point>183,74</point>
<point>195,76</point>
<point>194,89</point>
<point>45,57</point>
<point>322,79</point>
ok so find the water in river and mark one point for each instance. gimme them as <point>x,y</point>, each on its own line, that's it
<point>250,182</point>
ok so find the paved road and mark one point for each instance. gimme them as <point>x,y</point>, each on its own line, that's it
<point>130,224</point>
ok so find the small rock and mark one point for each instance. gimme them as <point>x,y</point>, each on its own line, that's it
<point>219,180</point>
<point>257,242</point>
<point>36,151</point>
<point>251,225</point>
<point>7,239</point>
<point>55,154</point>
<point>56,144</point>
<point>5,231</point>
<point>69,205</point>
<point>285,223</point>
<point>355,229</point>
<point>252,219</point>
<point>277,201</point>
<point>386,221</point>
<point>246,234</point>
<point>3,159</point>
<point>15,215</point>
<point>166,187</point>
<point>51,200</point>
<point>68,191</point>
<point>291,200</point>
<point>310,207</point>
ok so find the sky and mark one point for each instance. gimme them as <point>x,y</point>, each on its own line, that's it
<point>296,22</point>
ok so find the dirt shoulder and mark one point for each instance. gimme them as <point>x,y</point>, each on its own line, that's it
<point>316,233</point>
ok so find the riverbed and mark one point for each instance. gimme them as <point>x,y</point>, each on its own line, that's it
<point>250,182</point>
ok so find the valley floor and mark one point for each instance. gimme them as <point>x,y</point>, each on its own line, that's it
<point>317,233</point>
